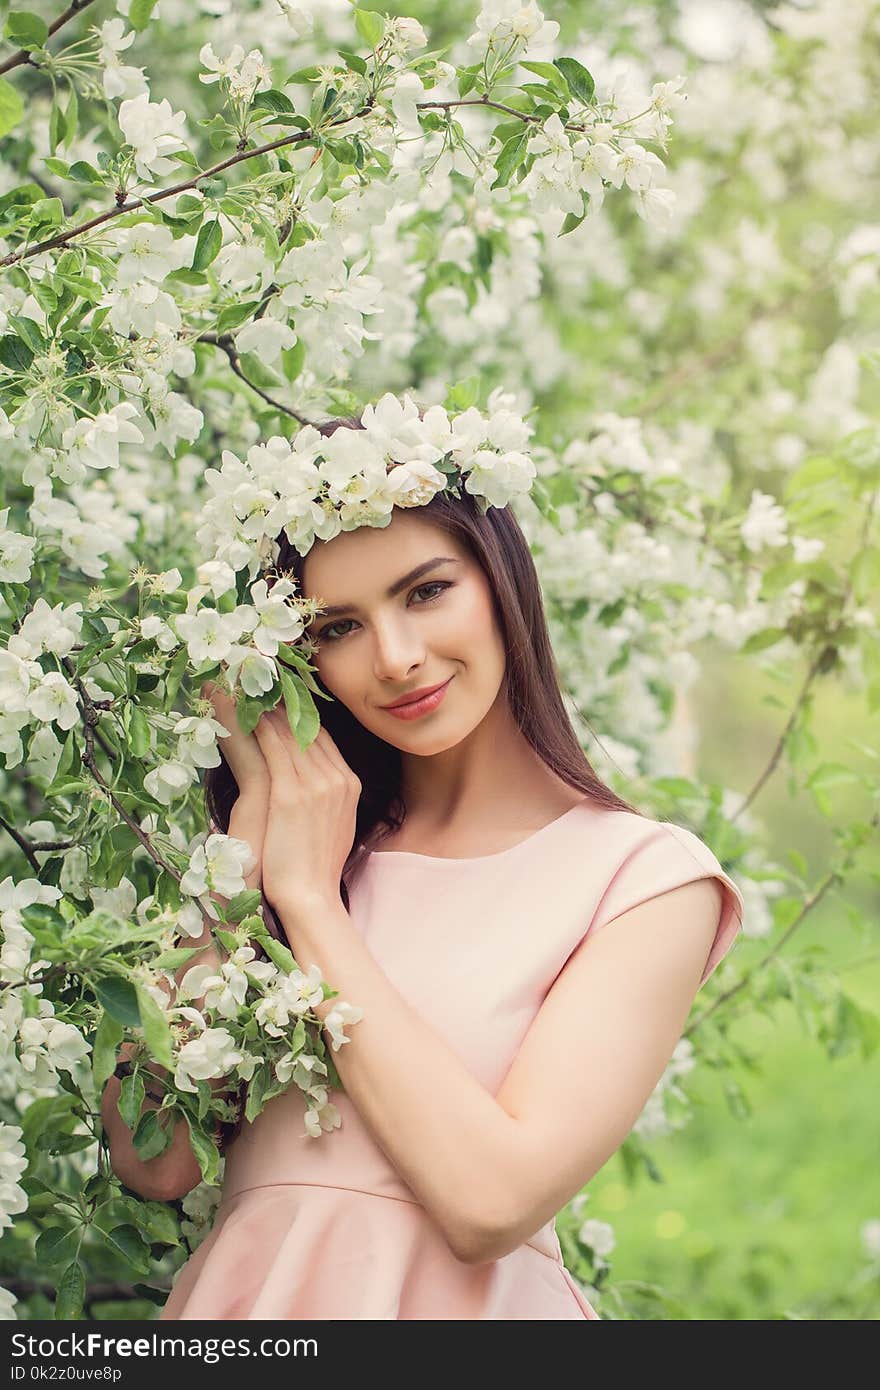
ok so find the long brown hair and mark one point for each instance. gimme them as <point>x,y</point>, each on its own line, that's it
<point>496,541</point>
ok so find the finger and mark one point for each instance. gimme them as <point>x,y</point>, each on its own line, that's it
<point>313,760</point>
<point>330,751</point>
<point>274,750</point>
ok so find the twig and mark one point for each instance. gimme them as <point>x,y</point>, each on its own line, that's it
<point>830,879</point>
<point>23,54</point>
<point>90,717</point>
<point>26,849</point>
<point>812,673</point>
<point>241,155</point>
<point>817,665</point>
<point>132,204</point>
<point>226,344</point>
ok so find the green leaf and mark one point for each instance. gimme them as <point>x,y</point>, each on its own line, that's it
<point>175,675</point>
<point>235,314</point>
<point>356,63</point>
<point>251,709</point>
<point>71,116</point>
<point>15,354</point>
<point>28,331</point>
<point>150,1138</point>
<point>126,1241</point>
<point>309,74</point>
<point>257,371</point>
<point>370,26</point>
<point>157,1033</point>
<point>259,1084</point>
<point>84,172</point>
<point>512,153</point>
<point>467,79</point>
<point>551,73</point>
<point>26,30</point>
<point>210,239</point>
<point>119,998</point>
<point>767,637</point>
<point>309,719</point>
<point>57,127</point>
<point>290,692</point>
<point>205,1151</point>
<point>574,219</point>
<point>292,359</point>
<point>580,82</point>
<point>139,733</point>
<point>273,100</point>
<point>155,1221</point>
<point>140,12</point>
<point>54,1143</point>
<point>213,186</point>
<point>47,212</point>
<point>57,1245</point>
<point>107,1039</point>
<point>43,1113</point>
<point>131,1099</point>
<point>71,1293</point>
<point>243,904</point>
<point>176,957</point>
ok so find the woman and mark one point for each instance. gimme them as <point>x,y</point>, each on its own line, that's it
<point>451,867</point>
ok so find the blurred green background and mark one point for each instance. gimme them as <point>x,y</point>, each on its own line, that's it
<point>760,1217</point>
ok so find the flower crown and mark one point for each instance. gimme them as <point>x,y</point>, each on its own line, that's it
<point>314,486</point>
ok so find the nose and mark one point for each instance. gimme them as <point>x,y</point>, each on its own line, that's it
<point>398,650</point>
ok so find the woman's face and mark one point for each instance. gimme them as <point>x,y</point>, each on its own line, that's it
<point>438,626</point>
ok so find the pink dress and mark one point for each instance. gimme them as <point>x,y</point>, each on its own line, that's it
<point>326,1228</point>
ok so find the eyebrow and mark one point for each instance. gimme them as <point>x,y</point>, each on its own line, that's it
<point>395,588</point>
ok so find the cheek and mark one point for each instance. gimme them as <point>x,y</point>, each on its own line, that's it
<point>475,622</point>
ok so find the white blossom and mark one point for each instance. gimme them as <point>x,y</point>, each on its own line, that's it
<point>16,553</point>
<point>154,132</point>
<point>210,1055</point>
<point>119,80</point>
<point>267,337</point>
<point>765,523</point>
<point>54,700</point>
<point>218,865</point>
<point>599,1236</point>
<point>337,1017</point>
<point>13,1162</point>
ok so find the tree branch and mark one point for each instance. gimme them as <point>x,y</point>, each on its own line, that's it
<point>239,157</point>
<point>26,849</point>
<point>91,715</point>
<point>748,975</point>
<point>226,344</point>
<point>817,665</point>
<point>131,205</point>
<point>23,55</point>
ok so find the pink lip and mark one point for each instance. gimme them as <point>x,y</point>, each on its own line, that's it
<point>414,709</point>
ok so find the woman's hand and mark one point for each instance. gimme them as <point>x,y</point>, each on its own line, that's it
<point>168,1176</point>
<point>313,800</point>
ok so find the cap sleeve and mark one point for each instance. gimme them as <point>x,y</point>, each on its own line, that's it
<point>669,858</point>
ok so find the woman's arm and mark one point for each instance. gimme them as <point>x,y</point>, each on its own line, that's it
<point>492,1170</point>
<point>176,1171</point>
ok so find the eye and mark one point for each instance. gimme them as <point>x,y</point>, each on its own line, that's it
<point>325,633</point>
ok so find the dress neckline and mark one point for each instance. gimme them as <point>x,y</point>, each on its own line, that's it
<point>375,854</point>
